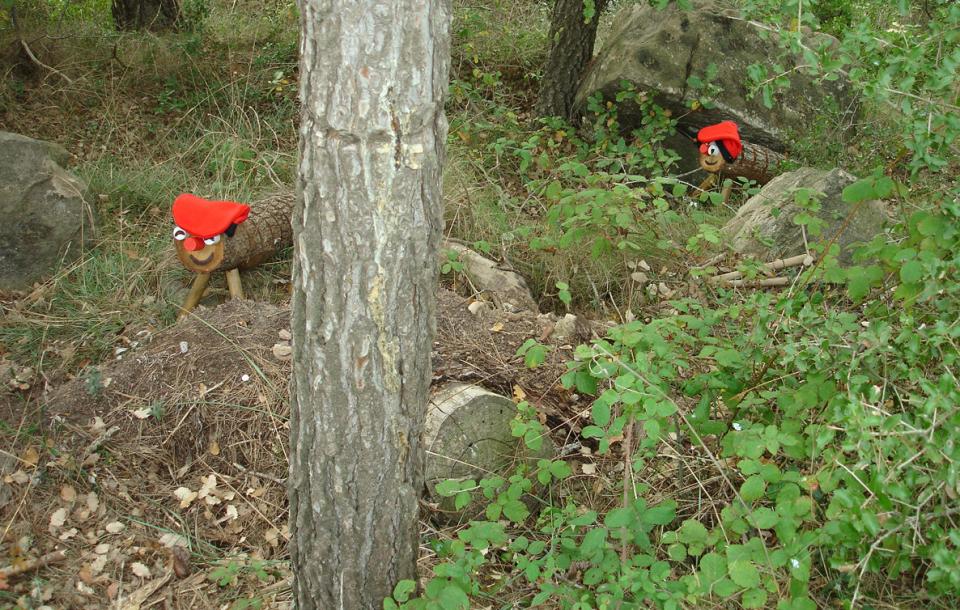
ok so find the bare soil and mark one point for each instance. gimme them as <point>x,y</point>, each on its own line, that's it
<point>152,466</point>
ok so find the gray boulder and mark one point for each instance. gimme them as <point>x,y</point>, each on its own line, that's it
<point>658,50</point>
<point>764,229</point>
<point>46,217</point>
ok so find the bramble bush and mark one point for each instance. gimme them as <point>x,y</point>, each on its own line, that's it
<point>815,431</point>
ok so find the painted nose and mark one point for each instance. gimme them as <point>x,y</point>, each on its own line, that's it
<point>703,148</point>
<point>192,244</point>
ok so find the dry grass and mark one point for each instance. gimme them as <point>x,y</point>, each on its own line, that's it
<point>182,440</point>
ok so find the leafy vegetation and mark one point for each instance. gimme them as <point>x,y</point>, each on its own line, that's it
<point>817,426</point>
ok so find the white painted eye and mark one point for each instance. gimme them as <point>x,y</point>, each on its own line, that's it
<point>179,234</point>
<point>713,149</point>
<point>211,240</point>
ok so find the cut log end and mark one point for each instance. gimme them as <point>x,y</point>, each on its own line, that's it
<point>467,436</point>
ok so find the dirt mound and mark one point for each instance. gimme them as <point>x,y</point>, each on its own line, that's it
<point>174,455</point>
<point>482,349</point>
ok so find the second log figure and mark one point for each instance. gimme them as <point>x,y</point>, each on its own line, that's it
<point>228,236</point>
<point>724,154</point>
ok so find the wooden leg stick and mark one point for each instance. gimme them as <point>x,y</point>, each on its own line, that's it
<point>196,293</point>
<point>708,182</point>
<point>725,193</point>
<point>233,284</point>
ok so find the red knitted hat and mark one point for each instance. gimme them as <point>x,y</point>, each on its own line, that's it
<point>204,218</point>
<point>726,133</point>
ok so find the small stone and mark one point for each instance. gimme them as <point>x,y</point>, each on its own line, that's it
<point>478,307</point>
<point>282,351</point>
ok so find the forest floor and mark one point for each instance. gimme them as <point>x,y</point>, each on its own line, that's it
<point>160,473</point>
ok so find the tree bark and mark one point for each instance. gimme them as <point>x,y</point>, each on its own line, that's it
<point>366,231</point>
<point>145,14</point>
<point>571,49</point>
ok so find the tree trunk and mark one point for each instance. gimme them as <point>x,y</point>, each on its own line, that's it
<point>366,232</point>
<point>571,50</point>
<point>145,14</point>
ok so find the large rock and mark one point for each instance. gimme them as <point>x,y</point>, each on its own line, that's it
<point>658,50</point>
<point>46,217</point>
<point>764,229</point>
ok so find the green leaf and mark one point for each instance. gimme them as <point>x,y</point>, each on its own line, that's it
<point>593,541</point>
<point>516,511</point>
<point>754,598</point>
<point>586,384</point>
<point>713,567</point>
<point>661,514</point>
<point>453,598</point>
<point>692,532</point>
<point>677,552</point>
<point>618,517</point>
<point>861,279</point>
<point>591,432</point>
<point>601,413</point>
<point>753,488</point>
<point>861,190</point>
<point>744,573</point>
<point>764,518</point>
<point>452,487</point>
<point>883,187</point>
<point>533,438</point>
<point>403,589</point>
<point>912,272</point>
<point>560,469</point>
<point>729,357</point>
<point>462,499</point>
<point>553,190</point>
<point>725,587</point>
<point>535,356</point>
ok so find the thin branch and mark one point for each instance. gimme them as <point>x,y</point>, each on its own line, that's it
<point>28,51</point>
<point>33,564</point>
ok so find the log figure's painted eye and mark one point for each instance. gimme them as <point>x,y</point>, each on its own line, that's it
<point>179,234</point>
<point>211,240</point>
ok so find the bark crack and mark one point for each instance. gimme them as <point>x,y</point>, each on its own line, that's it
<point>688,70</point>
<point>397,133</point>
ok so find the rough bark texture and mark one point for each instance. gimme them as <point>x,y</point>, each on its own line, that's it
<point>571,50</point>
<point>366,232</point>
<point>261,236</point>
<point>145,14</point>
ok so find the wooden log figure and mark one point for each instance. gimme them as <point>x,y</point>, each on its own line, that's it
<point>228,236</point>
<point>723,154</point>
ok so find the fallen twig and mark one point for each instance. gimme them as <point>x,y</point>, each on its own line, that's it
<point>782,263</point>
<point>33,564</point>
<point>713,260</point>
<point>33,58</point>
<point>100,440</point>
<point>772,281</point>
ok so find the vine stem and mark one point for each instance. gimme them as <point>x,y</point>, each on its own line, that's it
<point>627,478</point>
